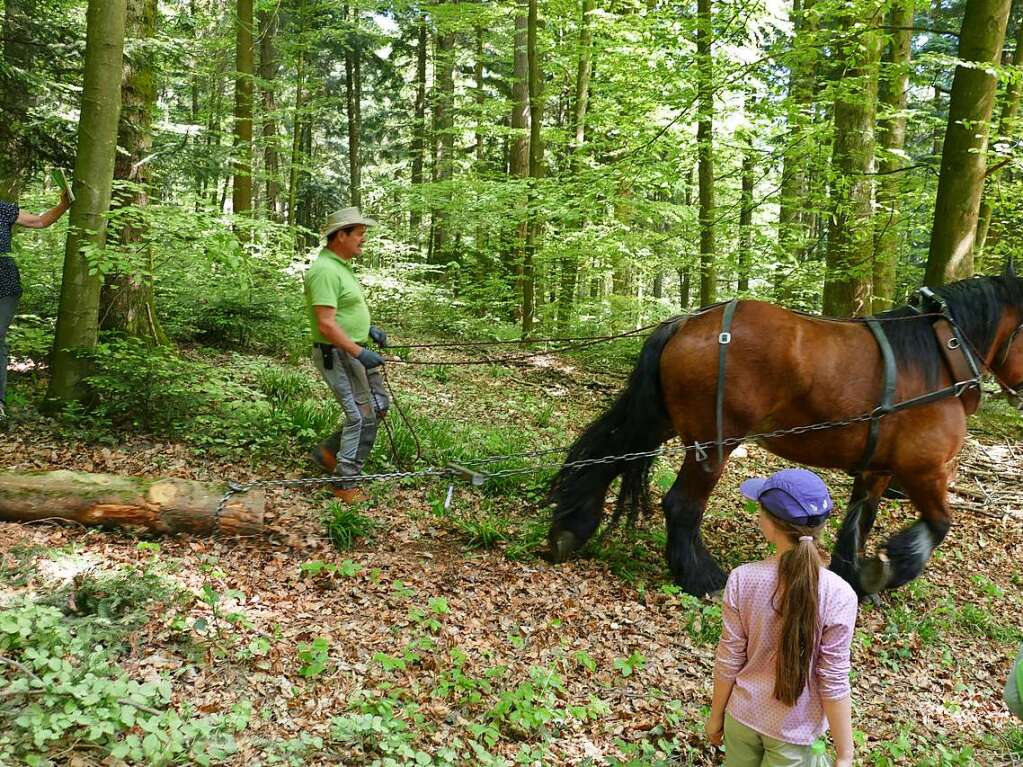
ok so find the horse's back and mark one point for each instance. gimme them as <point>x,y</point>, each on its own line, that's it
<point>783,369</point>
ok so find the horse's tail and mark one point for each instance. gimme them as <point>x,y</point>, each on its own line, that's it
<point>637,422</point>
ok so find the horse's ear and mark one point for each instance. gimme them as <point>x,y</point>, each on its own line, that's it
<point>1009,272</point>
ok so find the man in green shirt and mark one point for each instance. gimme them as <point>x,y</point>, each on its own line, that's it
<point>339,319</point>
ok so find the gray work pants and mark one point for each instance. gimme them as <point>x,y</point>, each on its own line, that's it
<point>8,307</point>
<point>363,399</point>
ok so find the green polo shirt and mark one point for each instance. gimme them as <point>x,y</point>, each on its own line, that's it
<point>330,281</point>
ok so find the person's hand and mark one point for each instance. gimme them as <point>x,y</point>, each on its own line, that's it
<point>379,337</point>
<point>64,201</point>
<point>714,727</point>
<point>843,762</point>
<point>370,359</point>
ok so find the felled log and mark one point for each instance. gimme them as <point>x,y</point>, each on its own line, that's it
<point>164,505</point>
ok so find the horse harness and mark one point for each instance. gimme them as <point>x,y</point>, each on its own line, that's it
<point>959,358</point>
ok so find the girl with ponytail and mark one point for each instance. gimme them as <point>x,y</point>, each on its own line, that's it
<point>781,674</point>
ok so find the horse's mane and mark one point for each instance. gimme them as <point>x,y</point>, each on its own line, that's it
<point>977,306</point>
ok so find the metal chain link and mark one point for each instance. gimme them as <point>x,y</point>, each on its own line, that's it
<point>233,488</point>
<point>700,448</point>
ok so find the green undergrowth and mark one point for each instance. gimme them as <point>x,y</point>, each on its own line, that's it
<point>62,661</point>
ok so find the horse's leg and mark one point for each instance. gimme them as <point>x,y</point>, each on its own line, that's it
<point>579,516</point>
<point>908,551</point>
<point>856,526</point>
<point>691,565</point>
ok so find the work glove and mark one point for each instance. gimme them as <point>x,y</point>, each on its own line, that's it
<point>370,359</point>
<point>379,337</point>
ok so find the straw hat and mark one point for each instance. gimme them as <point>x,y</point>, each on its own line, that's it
<point>344,218</point>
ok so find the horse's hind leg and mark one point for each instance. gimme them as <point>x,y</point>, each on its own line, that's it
<point>856,526</point>
<point>691,565</point>
<point>907,551</point>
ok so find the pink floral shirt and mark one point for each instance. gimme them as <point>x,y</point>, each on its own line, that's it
<point>750,637</point>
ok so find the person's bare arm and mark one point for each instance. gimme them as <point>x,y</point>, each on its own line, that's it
<point>326,322</point>
<point>715,724</point>
<point>32,221</point>
<point>839,714</point>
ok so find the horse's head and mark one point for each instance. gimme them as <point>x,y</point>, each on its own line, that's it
<point>1007,362</point>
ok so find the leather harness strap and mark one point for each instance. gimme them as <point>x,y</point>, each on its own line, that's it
<point>960,364</point>
<point>724,339</point>
<point>887,392</point>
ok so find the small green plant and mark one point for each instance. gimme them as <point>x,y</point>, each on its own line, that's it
<point>314,656</point>
<point>346,524</point>
<point>701,619</point>
<point>480,533</point>
<point>628,666</point>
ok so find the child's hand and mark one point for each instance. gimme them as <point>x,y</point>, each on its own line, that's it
<point>715,728</point>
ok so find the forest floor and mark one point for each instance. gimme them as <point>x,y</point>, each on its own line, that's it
<point>440,637</point>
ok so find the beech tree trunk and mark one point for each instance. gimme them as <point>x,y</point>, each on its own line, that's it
<point>705,150</point>
<point>444,138</point>
<point>241,194</point>
<point>15,97</point>
<point>127,303</point>
<point>297,120</point>
<point>536,172</point>
<point>268,66</point>
<point>519,161</point>
<point>745,254</point>
<point>353,97</point>
<point>164,505</point>
<point>418,129</point>
<point>1006,129</point>
<point>584,67</point>
<point>793,223</point>
<point>892,139</point>
<point>850,232</point>
<point>964,155</point>
<point>78,313</point>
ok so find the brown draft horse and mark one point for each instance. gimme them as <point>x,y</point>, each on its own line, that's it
<point>786,370</point>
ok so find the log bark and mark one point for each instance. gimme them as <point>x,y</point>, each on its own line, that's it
<point>163,505</point>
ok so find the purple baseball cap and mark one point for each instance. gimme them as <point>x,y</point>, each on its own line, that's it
<point>793,495</point>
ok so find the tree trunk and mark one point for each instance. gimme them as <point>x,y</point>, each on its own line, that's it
<point>443,128</point>
<point>964,156</point>
<point>850,238</point>
<point>519,160</point>
<point>892,139</point>
<point>419,128</point>
<point>16,97</point>
<point>127,303</point>
<point>584,67</point>
<point>1006,130</point>
<point>536,172</point>
<point>793,226</point>
<point>164,505</point>
<point>705,138</point>
<point>353,97</point>
<point>297,120</point>
<point>241,195</point>
<point>938,136</point>
<point>268,66</point>
<point>746,216</point>
<point>77,315</point>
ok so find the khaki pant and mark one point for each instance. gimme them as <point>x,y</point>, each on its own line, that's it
<point>745,747</point>
<point>363,399</point>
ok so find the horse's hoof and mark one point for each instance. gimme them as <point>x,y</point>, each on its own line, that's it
<point>874,600</point>
<point>562,545</point>
<point>875,573</point>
